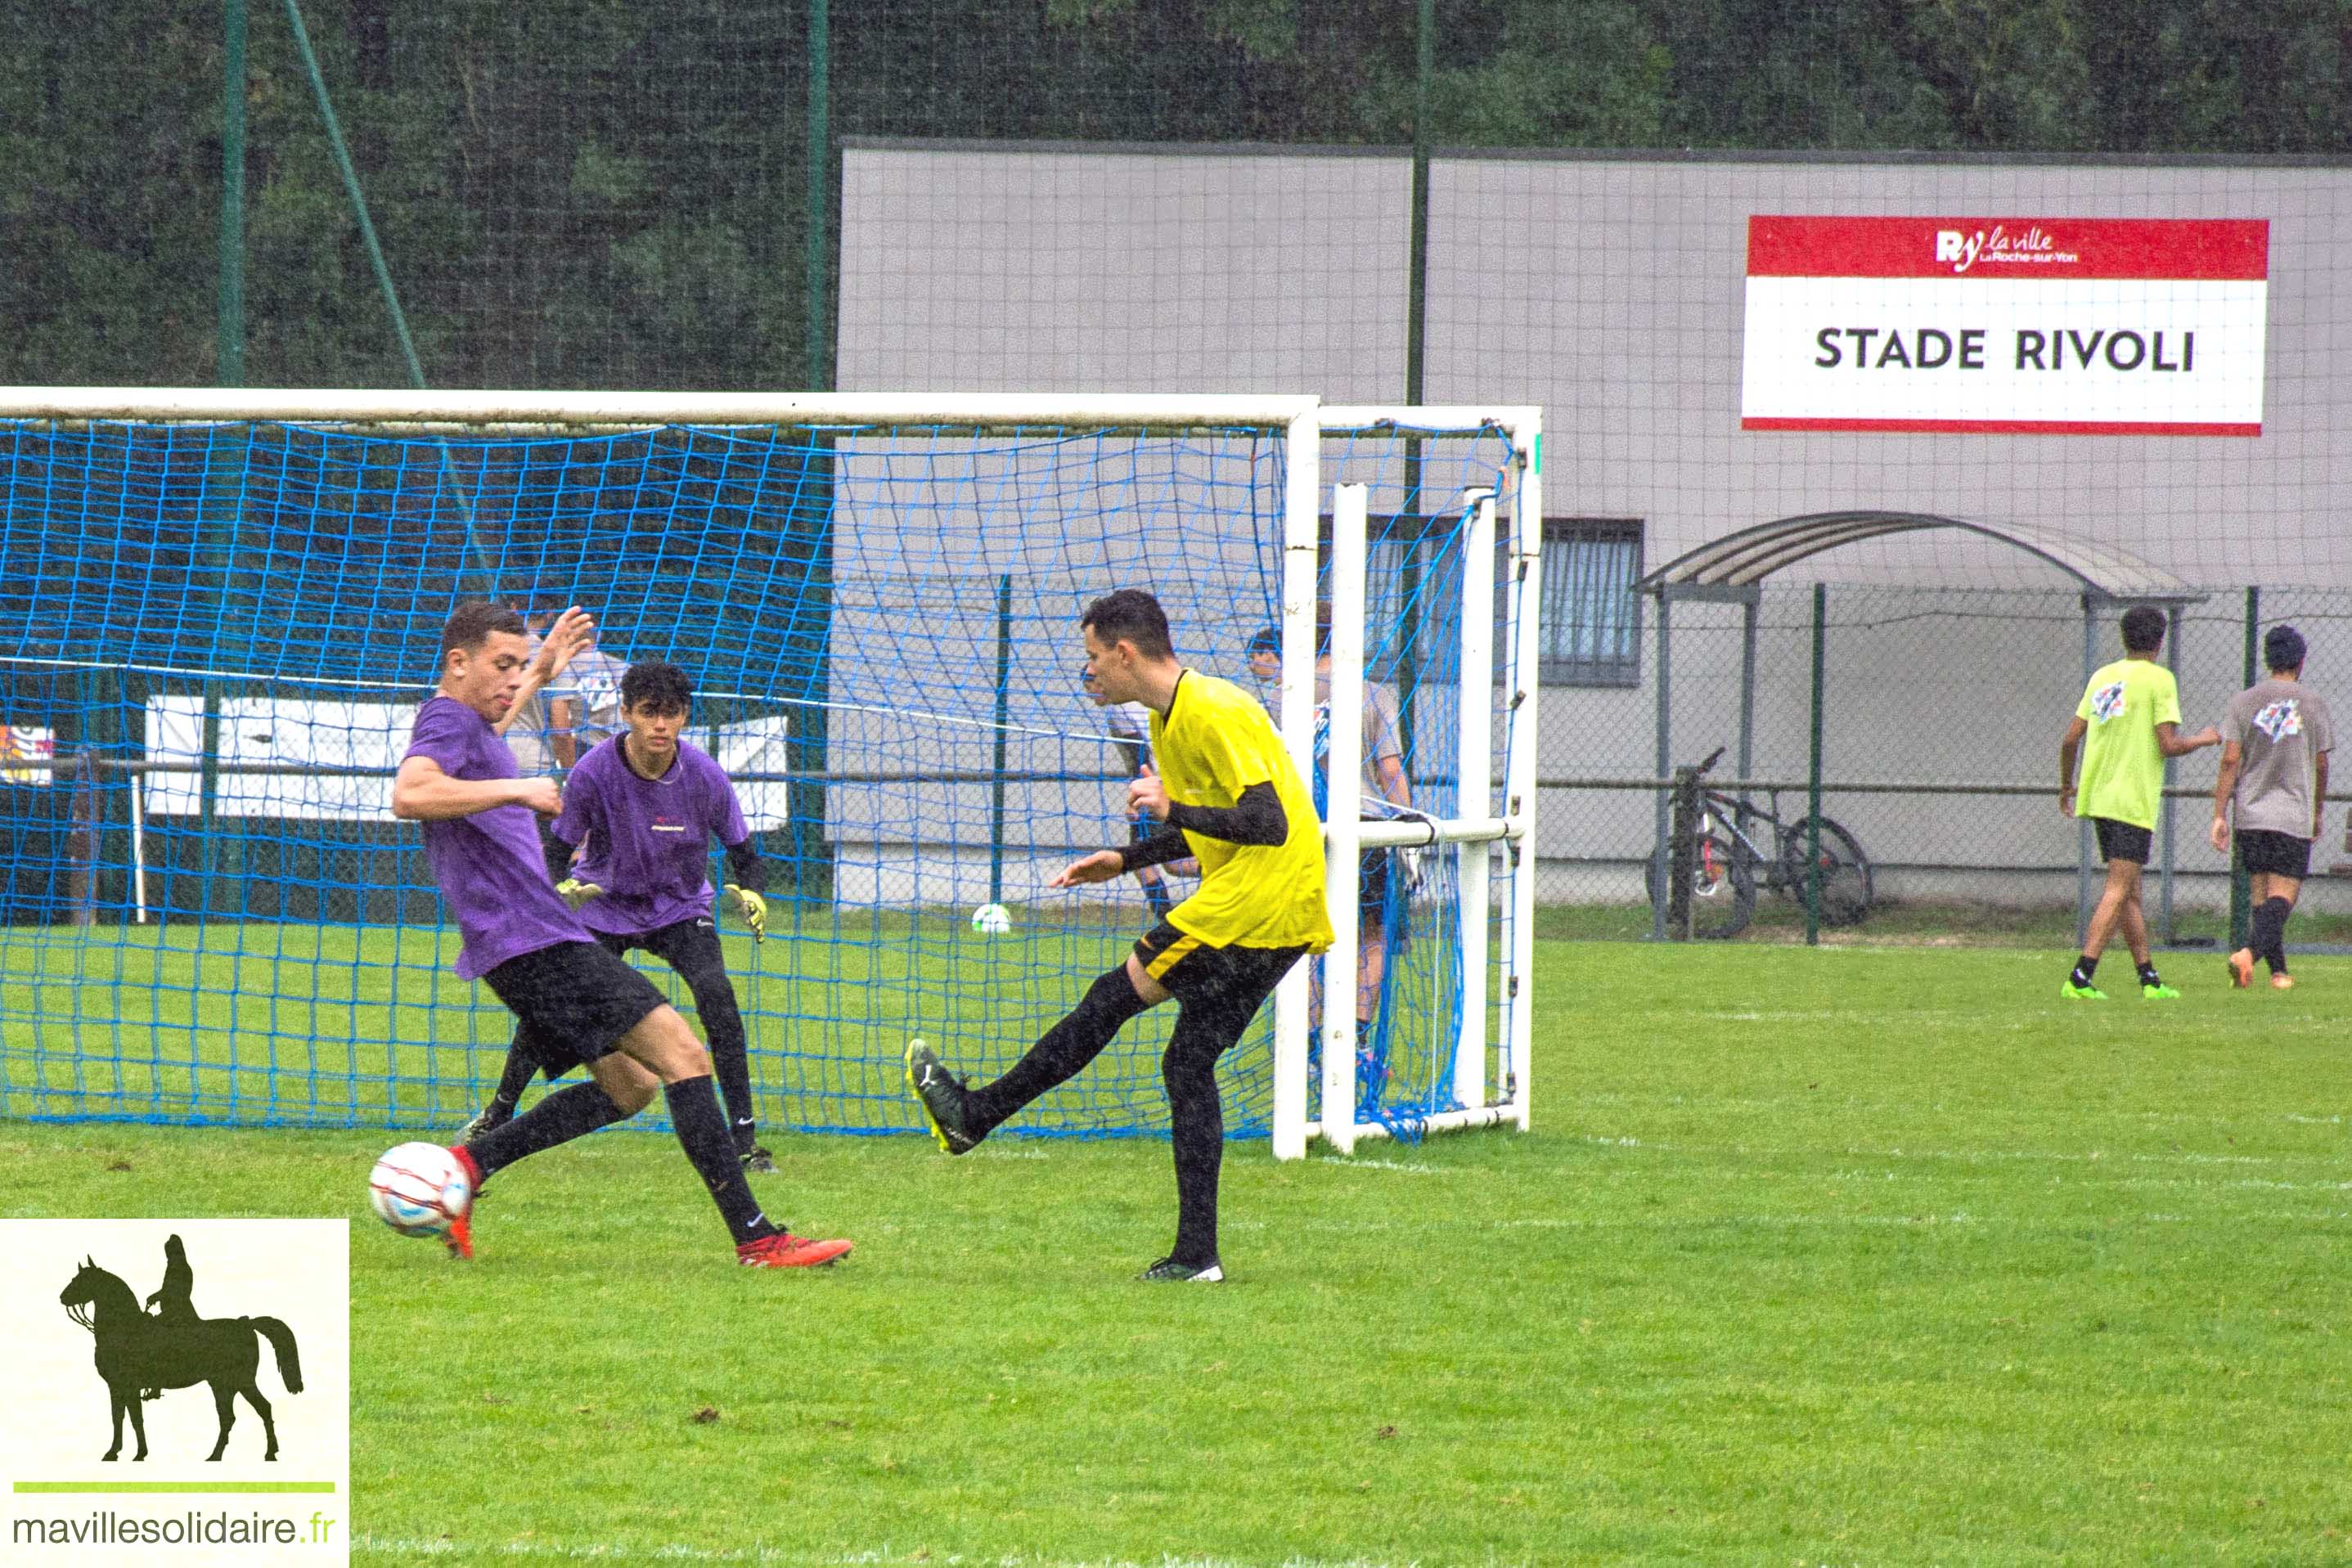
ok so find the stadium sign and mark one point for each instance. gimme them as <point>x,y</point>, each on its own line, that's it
<point>2044,326</point>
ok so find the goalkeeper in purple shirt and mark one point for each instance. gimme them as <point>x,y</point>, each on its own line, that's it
<point>639,813</point>
<point>576,1003</point>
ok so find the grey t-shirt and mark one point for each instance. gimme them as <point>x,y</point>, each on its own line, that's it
<point>2281,728</point>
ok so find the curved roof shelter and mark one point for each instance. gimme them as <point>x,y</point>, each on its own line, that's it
<point>1747,558</point>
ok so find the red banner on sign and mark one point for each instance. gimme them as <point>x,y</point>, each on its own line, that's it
<point>2008,248</point>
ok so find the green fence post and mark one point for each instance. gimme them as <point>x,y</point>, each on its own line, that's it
<point>2241,885</point>
<point>230,368</point>
<point>1814,776</point>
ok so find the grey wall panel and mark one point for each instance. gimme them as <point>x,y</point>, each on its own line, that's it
<point>1011,269</point>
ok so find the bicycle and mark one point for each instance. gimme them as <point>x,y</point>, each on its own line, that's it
<point>1728,864</point>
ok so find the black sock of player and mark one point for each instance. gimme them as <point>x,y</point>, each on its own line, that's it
<point>702,1130</point>
<point>513,1079</point>
<point>1196,1123</point>
<point>1061,1052</point>
<point>557,1119</point>
<point>722,1021</point>
<point>2147,975</point>
<point>2085,967</point>
<point>2268,941</point>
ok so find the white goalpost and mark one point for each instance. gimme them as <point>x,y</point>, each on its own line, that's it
<point>1471,835</point>
<point>936,529</point>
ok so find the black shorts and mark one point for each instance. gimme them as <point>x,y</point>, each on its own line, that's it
<point>1194,971</point>
<point>1375,877</point>
<point>2123,841</point>
<point>689,946</point>
<point>2275,854</point>
<point>573,1002</point>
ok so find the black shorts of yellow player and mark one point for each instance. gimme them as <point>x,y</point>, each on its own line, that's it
<point>1193,970</point>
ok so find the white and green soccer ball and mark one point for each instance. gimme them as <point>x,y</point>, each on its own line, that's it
<point>992,920</point>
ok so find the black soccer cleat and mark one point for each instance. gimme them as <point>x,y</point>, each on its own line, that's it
<point>942,1095</point>
<point>1168,1272</point>
<point>489,1119</point>
<point>755,1157</point>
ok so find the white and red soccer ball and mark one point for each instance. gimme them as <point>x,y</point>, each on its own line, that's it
<point>419,1189</point>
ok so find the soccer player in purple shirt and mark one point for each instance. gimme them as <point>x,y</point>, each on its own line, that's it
<point>640,812</point>
<point>577,1003</point>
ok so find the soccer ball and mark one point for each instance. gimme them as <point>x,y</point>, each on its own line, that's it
<point>992,920</point>
<point>418,1189</point>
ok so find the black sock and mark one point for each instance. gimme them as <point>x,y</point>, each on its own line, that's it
<point>2085,967</point>
<point>1059,1054</point>
<point>513,1078</point>
<point>2268,941</point>
<point>722,1024</point>
<point>1196,1122</point>
<point>2147,975</point>
<point>557,1119</point>
<point>702,1129</point>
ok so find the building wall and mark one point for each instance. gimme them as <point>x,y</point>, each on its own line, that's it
<point>1610,291</point>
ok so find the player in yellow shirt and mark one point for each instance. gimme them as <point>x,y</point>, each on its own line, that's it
<point>2130,714</point>
<point>1230,797</point>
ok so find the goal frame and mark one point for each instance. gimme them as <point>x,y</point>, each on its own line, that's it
<point>1303,422</point>
<point>1470,832</point>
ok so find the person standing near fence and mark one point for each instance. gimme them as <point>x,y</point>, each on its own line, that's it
<point>2275,738</point>
<point>1382,906</point>
<point>2130,716</point>
<point>584,710</point>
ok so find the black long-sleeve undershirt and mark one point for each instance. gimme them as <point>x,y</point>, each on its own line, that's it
<point>559,858</point>
<point>745,868</point>
<point>1255,818</point>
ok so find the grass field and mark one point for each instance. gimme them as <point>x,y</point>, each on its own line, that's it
<point>1851,1256</point>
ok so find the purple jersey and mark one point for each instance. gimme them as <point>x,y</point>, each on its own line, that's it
<point>492,872</point>
<point>648,839</point>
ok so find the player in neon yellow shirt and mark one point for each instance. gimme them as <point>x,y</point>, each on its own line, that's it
<point>1228,796</point>
<point>2130,716</point>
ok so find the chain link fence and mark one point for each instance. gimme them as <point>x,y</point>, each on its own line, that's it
<point>1940,713</point>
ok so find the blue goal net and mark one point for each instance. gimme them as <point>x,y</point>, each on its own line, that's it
<point>217,635</point>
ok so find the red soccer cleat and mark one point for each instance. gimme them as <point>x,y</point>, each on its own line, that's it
<point>2242,969</point>
<point>786,1251</point>
<point>461,1240</point>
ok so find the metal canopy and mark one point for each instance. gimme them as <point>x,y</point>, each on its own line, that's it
<point>1744,559</point>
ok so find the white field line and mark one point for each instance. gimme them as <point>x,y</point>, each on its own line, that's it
<point>410,1549</point>
<point>2088,1156</point>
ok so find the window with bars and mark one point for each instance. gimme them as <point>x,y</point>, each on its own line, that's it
<point>1591,616</point>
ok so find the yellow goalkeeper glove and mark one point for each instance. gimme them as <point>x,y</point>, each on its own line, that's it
<point>753,908</point>
<point>576,892</point>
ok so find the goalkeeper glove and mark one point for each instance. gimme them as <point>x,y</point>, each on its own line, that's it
<point>576,892</point>
<point>1416,869</point>
<point>752,907</point>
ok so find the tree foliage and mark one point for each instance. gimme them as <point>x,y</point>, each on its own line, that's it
<point>606,193</point>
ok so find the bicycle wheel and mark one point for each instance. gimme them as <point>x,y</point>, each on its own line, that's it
<point>1847,889</point>
<point>1723,886</point>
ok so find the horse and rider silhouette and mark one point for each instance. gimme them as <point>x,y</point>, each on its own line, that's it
<point>140,1354</point>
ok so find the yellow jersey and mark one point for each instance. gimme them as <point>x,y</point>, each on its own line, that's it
<point>1213,742</point>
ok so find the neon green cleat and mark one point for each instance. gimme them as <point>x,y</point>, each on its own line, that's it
<point>2159,994</point>
<point>941,1095</point>
<point>2074,993</point>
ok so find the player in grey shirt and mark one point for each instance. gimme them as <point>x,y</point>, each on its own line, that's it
<point>2274,744</point>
